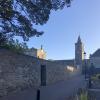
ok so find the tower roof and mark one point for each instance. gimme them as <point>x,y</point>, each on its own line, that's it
<point>41,47</point>
<point>79,39</point>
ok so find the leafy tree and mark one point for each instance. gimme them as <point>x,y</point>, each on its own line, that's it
<point>18,17</point>
<point>15,46</point>
<point>3,39</point>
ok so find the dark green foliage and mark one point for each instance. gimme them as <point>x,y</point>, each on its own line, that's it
<point>18,17</point>
<point>3,39</point>
<point>15,45</point>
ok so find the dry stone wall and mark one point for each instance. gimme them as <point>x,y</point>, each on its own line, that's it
<point>18,72</point>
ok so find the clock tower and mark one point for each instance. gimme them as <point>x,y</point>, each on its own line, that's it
<point>79,52</point>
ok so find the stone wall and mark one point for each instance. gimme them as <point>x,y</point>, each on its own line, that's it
<point>58,72</point>
<point>18,72</point>
<point>31,52</point>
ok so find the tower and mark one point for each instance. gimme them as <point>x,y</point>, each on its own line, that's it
<point>41,53</point>
<point>79,52</point>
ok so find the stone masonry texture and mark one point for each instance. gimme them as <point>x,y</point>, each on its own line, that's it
<point>19,72</point>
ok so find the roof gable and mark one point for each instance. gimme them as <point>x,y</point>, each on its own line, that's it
<point>96,53</point>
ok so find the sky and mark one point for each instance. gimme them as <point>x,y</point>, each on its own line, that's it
<point>64,27</point>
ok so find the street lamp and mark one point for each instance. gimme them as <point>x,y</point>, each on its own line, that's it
<point>85,64</point>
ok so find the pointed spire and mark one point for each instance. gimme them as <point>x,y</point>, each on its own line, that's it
<point>41,47</point>
<point>79,39</point>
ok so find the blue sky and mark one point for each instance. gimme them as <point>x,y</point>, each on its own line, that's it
<point>64,26</point>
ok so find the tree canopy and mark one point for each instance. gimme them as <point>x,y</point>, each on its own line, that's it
<point>18,17</point>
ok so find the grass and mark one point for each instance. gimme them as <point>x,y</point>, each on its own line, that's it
<point>83,96</point>
<point>96,77</point>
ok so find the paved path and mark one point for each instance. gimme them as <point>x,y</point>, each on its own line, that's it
<point>62,90</point>
<point>58,91</point>
<point>30,94</point>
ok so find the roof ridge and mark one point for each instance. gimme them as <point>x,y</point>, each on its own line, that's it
<point>96,53</point>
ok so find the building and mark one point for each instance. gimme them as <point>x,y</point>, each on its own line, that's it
<point>79,56</point>
<point>41,53</point>
<point>78,61</point>
<point>79,52</point>
<point>38,53</point>
<point>95,59</point>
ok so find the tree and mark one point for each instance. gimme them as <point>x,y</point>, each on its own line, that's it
<point>15,45</point>
<point>18,17</point>
<point>3,39</point>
